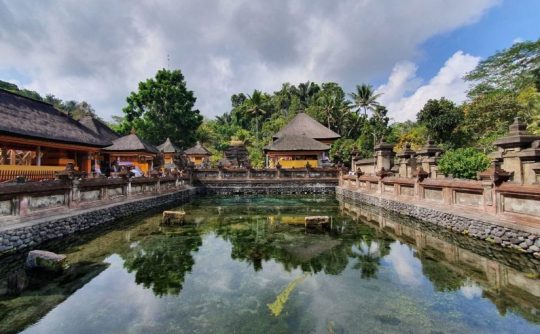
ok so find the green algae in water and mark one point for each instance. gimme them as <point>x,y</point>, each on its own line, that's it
<point>277,306</point>
<point>220,275</point>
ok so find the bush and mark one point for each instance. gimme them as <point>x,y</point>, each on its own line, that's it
<point>463,163</point>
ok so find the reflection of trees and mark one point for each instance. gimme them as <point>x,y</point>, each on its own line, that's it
<point>442,277</point>
<point>162,261</point>
<point>368,253</point>
<point>312,251</point>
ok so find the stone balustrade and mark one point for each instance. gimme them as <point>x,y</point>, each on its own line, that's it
<point>32,200</point>
<point>265,173</point>
<point>508,199</point>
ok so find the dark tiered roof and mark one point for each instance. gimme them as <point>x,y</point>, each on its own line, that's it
<point>198,149</point>
<point>100,128</point>
<point>303,124</point>
<point>131,143</point>
<point>168,147</point>
<point>296,143</point>
<point>24,117</point>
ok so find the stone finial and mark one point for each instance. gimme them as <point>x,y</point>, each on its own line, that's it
<point>430,149</point>
<point>420,174</point>
<point>407,152</point>
<point>518,127</point>
<point>133,131</point>
<point>382,173</point>
<point>495,174</point>
<point>518,137</point>
<point>383,145</point>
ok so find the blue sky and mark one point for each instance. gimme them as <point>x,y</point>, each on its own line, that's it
<point>408,50</point>
<point>496,30</point>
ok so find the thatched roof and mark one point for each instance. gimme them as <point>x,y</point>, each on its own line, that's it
<point>100,128</point>
<point>24,117</point>
<point>131,143</point>
<point>198,149</point>
<point>168,147</point>
<point>303,124</point>
<point>296,143</point>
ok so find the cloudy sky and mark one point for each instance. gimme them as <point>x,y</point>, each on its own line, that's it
<point>409,50</point>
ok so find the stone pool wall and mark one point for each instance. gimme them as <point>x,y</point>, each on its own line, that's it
<point>269,187</point>
<point>486,230</point>
<point>32,233</point>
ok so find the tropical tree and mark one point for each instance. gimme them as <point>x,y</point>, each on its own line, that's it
<point>305,92</point>
<point>365,98</point>
<point>441,118</point>
<point>256,106</point>
<point>163,107</point>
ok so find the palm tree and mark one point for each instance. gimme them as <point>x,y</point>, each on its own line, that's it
<point>365,98</point>
<point>255,107</point>
<point>305,92</point>
<point>328,104</point>
<point>225,119</point>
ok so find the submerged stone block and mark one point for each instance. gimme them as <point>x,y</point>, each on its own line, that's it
<point>173,217</point>
<point>317,220</point>
<point>40,259</point>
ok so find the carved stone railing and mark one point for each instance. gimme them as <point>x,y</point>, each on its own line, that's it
<point>237,174</point>
<point>511,199</point>
<point>21,201</point>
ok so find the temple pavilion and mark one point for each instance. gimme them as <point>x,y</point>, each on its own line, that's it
<point>36,140</point>
<point>169,151</point>
<point>303,140</point>
<point>131,150</point>
<point>198,154</point>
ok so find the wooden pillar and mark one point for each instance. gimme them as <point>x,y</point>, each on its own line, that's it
<point>38,156</point>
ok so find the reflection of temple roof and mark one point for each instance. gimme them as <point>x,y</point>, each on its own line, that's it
<point>168,147</point>
<point>198,149</point>
<point>296,143</point>
<point>25,117</point>
<point>131,142</point>
<point>303,124</point>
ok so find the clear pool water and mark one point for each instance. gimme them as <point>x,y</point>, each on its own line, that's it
<point>249,265</point>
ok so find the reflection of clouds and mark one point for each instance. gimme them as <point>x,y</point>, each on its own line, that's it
<point>408,268</point>
<point>471,290</point>
<point>103,298</point>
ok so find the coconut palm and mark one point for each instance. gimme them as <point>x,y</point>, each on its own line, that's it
<point>305,92</point>
<point>365,98</point>
<point>256,107</point>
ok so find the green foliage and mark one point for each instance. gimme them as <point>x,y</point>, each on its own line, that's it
<point>341,150</point>
<point>76,110</point>
<point>163,107</point>
<point>441,118</point>
<point>407,132</point>
<point>463,163</point>
<point>511,69</point>
<point>255,117</point>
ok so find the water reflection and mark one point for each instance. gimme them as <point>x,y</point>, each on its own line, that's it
<point>244,264</point>
<point>510,280</point>
<point>162,261</point>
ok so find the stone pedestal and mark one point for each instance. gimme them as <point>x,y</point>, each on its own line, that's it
<point>428,157</point>
<point>519,153</point>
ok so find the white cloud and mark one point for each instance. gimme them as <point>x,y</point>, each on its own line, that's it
<point>405,264</point>
<point>100,50</point>
<point>448,82</point>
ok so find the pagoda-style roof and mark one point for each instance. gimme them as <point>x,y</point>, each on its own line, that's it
<point>28,118</point>
<point>198,149</point>
<point>168,147</point>
<point>296,143</point>
<point>100,128</point>
<point>131,143</point>
<point>303,124</point>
